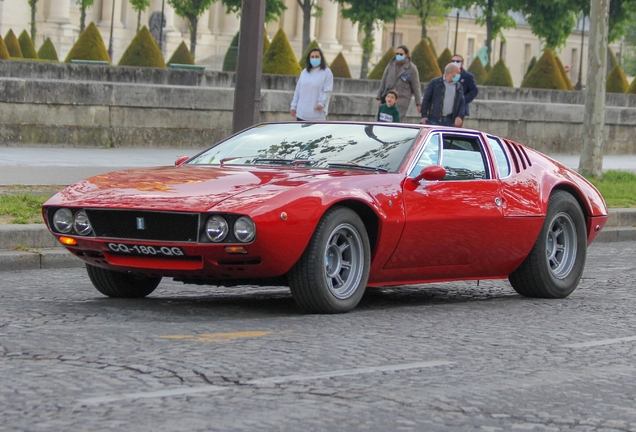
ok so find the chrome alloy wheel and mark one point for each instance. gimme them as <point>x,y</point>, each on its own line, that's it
<point>344,261</point>
<point>561,245</point>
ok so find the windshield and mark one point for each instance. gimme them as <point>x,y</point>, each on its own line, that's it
<point>319,145</point>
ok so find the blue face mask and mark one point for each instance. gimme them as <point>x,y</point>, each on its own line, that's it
<point>315,62</point>
<point>400,57</point>
<point>456,78</point>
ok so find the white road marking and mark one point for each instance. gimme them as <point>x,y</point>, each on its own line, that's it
<point>601,342</point>
<point>272,380</point>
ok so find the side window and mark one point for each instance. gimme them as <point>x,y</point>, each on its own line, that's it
<point>463,158</point>
<point>429,157</point>
<point>503,164</point>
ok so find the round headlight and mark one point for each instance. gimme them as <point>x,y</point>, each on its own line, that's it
<point>216,229</point>
<point>244,229</point>
<point>81,225</point>
<point>63,220</point>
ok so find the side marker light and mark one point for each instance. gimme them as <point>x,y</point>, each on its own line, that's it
<point>235,249</point>
<point>69,241</point>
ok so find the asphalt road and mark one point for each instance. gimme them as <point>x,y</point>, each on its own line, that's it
<point>442,357</point>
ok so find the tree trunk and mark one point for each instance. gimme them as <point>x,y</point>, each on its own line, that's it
<point>307,6</point>
<point>82,18</point>
<point>367,49</point>
<point>193,33</point>
<point>490,10</point>
<point>591,162</point>
<point>33,9</point>
<point>138,19</point>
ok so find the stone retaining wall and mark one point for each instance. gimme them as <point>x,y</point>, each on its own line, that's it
<point>89,105</point>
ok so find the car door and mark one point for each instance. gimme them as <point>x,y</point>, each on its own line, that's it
<point>451,224</point>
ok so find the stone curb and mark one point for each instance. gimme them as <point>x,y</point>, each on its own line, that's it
<point>32,247</point>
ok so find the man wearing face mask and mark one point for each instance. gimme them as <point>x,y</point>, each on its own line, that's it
<point>467,80</point>
<point>443,102</point>
<point>402,76</point>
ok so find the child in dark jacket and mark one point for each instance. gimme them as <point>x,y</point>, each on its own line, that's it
<point>388,112</point>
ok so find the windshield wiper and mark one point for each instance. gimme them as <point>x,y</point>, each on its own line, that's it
<point>356,166</point>
<point>292,162</point>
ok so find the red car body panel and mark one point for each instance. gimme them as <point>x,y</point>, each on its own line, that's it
<point>432,231</point>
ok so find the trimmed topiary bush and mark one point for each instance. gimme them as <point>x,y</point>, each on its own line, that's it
<point>340,68</point>
<point>26,46</point>
<point>431,45</point>
<point>426,63</point>
<point>4,53</point>
<point>564,74</point>
<point>266,42</point>
<point>545,74</point>
<point>533,62</point>
<point>47,51</point>
<point>616,81</point>
<point>444,58</point>
<point>182,55</point>
<point>280,58</point>
<point>231,56</point>
<point>313,44</point>
<point>499,76</point>
<point>89,46</point>
<point>613,61</point>
<point>632,87</point>
<point>477,69</point>
<point>12,44</point>
<point>378,70</point>
<point>487,68</point>
<point>143,51</point>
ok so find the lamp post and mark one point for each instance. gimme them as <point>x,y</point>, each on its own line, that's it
<point>110,40</point>
<point>163,4</point>
<point>579,83</point>
<point>456,30</point>
<point>394,20</point>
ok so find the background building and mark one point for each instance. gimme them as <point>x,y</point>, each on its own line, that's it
<point>59,20</point>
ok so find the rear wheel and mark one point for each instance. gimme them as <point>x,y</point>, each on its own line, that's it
<point>555,264</point>
<point>121,285</point>
<point>332,273</point>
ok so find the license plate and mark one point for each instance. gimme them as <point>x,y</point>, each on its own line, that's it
<point>161,251</point>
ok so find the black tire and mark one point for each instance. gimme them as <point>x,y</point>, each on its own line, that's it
<point>121,285</point>
<point>332,273</point>
<point>555,264</point>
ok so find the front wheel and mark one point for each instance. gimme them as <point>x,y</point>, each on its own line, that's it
<point>555,264</point>
<point>332,273</point>
<point>121,285</point>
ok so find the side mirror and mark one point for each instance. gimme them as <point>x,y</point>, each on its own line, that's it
<point>180,160</point>
<point>431,173</point>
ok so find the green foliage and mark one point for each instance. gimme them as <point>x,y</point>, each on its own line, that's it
<point>488,68</point>
<point>545,74</point>
<point>426,63</point>
<point>273,8</point>
<point>564,74</point>
<point>47,51</point>
<point>612,60</point>
<point>431,45</point>
<point>139,5</point>
<point>378,70</point>
<point>89,46</point>
<point>313,44</point>
<point>12,44</point>
<point>26,46</point>
<point>533,62</point>
<point>428,12</point>
<point>22,208</point>
<point>231,56</point>
<point>552,20</point>
<point>444,58</point>
<point>83,5</point>
<point>616,81</point>
<point>618,188</point>
<point>190,8</point>
<point>340,68</point>
<point>4,53</point>
<point>280,58</point>
<point>182,55</point>
<point>477,69</point>
<point>499,76</point>
<point>632,87</point>
<point>266,42</point>
<point>143,51</point>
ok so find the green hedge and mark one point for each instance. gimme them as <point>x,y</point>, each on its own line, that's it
<point>182,55</point>
<point>378,70</point>
<point>13,45</point>
<point>444,58</point>
<point>616,81</point>
<point>4,53</point>
<point>545,74</point>
<point>564,74</point>
<point>340,68</point>
<point>143,51</point>
<point>47,51</point>
<point>477,69</point>
<point>89,46</point>
<point>280,58</point>
<point>499,76</point>
<point>426,63</point>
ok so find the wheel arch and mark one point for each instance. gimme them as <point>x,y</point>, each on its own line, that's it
<point>576,193</point>
<point>369,218</point>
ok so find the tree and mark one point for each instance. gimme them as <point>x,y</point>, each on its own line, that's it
<point>83,5</point>
<point>368,14</point>
<point>192,11</point>
<point>428,12</point>
<point>139,6</point>
<point>553,20</point>
<point>273,8</point>
<point>495,14</point>
<point>33,6</point>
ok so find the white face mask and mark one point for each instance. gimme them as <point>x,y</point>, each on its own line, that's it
<point>458,63</point>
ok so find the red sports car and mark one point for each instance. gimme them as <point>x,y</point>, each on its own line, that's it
<point>330,209</point>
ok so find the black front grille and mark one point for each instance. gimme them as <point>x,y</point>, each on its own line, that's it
<point>144,225</point>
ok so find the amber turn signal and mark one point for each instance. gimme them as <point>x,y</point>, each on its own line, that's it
<point>69,241</point>
<point>235,249</point>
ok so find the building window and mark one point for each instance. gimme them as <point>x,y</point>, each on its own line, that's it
<point>527,57</point>
<point>574,65</point>
<point>398,39</point>
<point>470,51</point>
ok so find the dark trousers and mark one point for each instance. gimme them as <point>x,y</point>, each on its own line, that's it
<point>445,121</point>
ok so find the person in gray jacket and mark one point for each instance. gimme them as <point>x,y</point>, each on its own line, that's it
<point>443,102</point>
<point>402,76</point>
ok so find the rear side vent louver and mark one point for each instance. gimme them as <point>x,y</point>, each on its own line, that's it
<point>520,158</point>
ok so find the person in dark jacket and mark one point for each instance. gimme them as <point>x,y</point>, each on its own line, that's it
<point>467,80</point>
<point>443,101</point>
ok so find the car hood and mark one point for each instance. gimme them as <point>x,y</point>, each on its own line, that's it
<point>187,188</point>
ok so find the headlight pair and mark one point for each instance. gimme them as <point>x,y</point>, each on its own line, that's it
<point>64,222</point>
<point>217,229</point>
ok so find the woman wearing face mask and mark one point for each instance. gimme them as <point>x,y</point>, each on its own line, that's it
<point>401,75</point>
<point>313,89</point>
